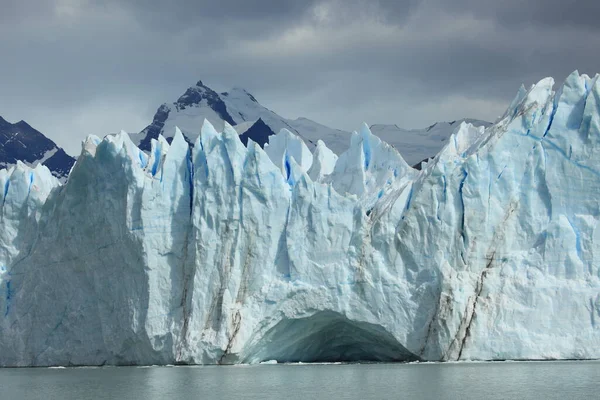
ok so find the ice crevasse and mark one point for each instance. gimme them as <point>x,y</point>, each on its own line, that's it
<point>222,253</point>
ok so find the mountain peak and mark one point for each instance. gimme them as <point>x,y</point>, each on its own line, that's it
<point>198,94</point>
<point>244,92</point>
<point>21,142</point>
<point>22,123</point>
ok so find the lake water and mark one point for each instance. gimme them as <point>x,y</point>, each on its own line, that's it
<point>499,380</point>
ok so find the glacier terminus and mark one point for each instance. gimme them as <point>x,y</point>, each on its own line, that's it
<point>221,253</point>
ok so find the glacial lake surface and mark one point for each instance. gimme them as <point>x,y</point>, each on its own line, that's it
<point>497,380</point>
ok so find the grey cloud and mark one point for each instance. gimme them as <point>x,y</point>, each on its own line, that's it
<point>24,9</point>
<point>554,13</point>
<point>280,11</point>
<point>222,9</point>
<point>217,20</point>
<point>105,64</point>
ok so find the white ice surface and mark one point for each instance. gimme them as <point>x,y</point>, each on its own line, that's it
<point>420,144</point>
<point>219,255</point>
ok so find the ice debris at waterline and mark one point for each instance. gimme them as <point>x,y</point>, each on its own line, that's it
<point>225,254</point>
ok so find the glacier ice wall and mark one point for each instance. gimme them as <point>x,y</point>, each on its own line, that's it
<point>222,253</point>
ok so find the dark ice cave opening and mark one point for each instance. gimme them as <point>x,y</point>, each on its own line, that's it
<point>329,337</point>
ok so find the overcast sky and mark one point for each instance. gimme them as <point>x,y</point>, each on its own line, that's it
<point>75,67</point>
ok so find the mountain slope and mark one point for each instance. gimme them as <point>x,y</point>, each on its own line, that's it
<point>417,145</point>
<point>258,131</point>
<point>237,107</point>
<point>21,142</point>
<point>254,121</point>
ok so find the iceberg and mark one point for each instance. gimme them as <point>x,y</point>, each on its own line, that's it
<point>220,253</point>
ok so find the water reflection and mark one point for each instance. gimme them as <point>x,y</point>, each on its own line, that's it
<point>502,380</point>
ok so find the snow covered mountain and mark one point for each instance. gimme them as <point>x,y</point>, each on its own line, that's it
<point>21,142</point>
<point>224,253</point>
<point>418,145</point>
<point>253,121</point>
<point>236,107</point>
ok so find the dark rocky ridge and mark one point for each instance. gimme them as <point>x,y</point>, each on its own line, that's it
<point>19,141</point>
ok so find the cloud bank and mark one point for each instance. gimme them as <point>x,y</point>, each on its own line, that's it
<point>75,67</point>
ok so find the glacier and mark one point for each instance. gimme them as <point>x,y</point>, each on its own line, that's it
<point>417,145</point>
<point>221,253</point>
